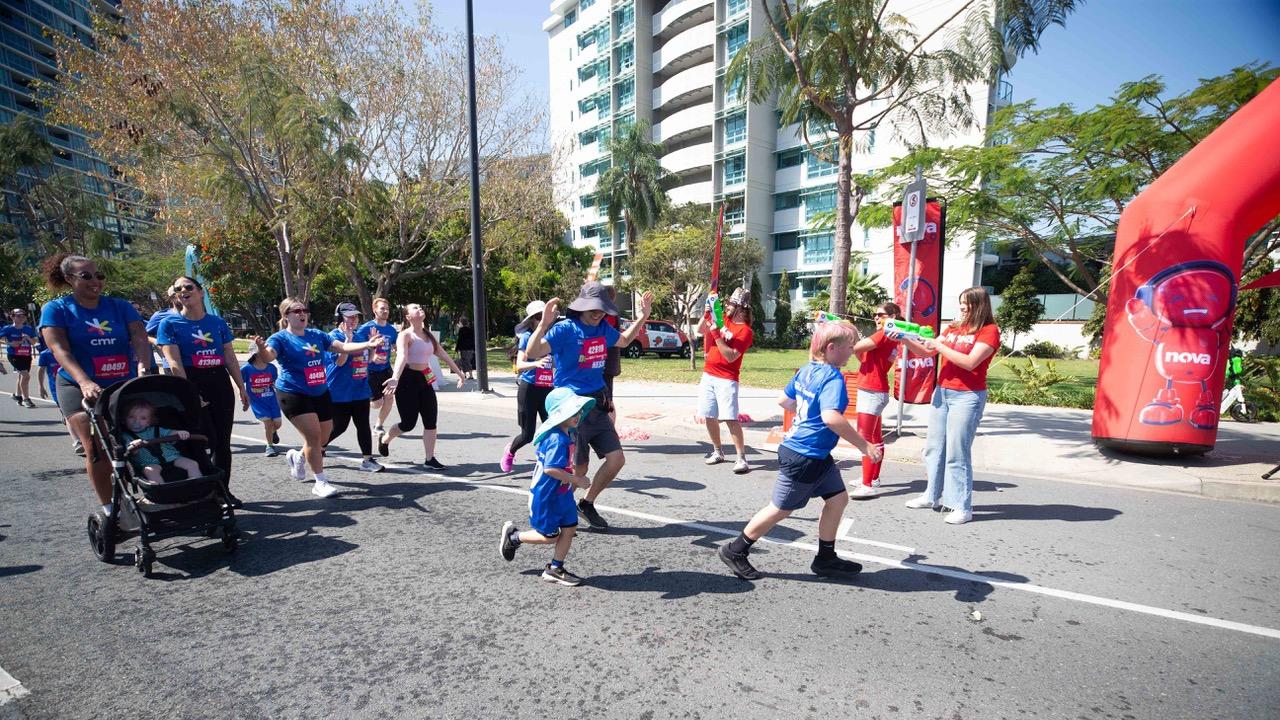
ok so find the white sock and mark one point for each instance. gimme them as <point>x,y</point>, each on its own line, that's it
<point>320,477</point>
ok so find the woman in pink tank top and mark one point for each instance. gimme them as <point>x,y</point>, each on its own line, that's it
<point>410,384</point>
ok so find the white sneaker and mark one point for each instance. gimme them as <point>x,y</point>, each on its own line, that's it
<point>864,492</point>
<point>958,517</point>
<point>921,502</point>
<point>714,458</point>
<point>741,467</point>
<point>323,489</point>
<point>371,465</point>
<point>297,468</point>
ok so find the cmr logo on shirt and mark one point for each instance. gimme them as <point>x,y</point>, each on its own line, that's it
<point>1173,356</point>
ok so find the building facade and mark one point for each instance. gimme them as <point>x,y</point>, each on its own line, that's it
<point>28,58</point>
<point>664,61</point>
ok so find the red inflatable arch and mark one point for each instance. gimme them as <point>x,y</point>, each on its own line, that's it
<point>1179,250</point>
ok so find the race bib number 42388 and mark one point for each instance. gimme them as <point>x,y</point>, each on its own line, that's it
<point>594,352</point>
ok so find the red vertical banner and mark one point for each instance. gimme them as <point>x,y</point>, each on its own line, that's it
<point>924,301</point>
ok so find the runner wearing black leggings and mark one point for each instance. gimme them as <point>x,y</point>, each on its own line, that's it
<point>536,379</point>
<point>198,347</point>
<point>349,384</point>
<point>411,384</point>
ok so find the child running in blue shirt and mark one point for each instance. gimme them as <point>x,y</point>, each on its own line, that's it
<point>259,380</point>
<point>553,516</point>
<point>806,470</point>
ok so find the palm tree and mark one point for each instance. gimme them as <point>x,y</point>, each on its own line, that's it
<point>840,69</point>
<point>631,187</point>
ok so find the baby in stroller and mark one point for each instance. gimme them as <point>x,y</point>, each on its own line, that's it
<point>151,459</point>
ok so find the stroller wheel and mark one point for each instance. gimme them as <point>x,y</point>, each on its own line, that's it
<point>230,541</point>
<point>102,536</point>
<point>143,558</point>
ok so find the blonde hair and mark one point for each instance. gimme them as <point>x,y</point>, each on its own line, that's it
<point>980,314</point>
<point>377,300</point>
<point>827,333</point>
<point>284,310</point>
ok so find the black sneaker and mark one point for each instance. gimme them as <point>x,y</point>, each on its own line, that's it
<point>78,448</point>
<point>275,438</point>
<point>587,511</point>
<point>433,463</point>
<point>505,545</point>
<point>834,566</point>
<point>17,399</point>
<point>233,501</point>
<point>28,402</point>
<point>383,443</point>
<point>738,563</point>
<point>560,575</point>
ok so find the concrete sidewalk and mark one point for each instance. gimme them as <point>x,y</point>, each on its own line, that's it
<point>1028,442</point>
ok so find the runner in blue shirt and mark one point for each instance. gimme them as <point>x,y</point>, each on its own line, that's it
<point>98,340</point>
<point>579,347</point>
<point>20,340</point>
<point>153,329</point>
<point>198,347</point>
<point>380,362</point>
<point>302,388</point>
<point>259,378</point>
<point>818,396</point>
<point>48,370</point>
<point>349,384</point>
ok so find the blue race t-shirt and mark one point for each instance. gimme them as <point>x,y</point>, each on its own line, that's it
<point>815,387</point>
<point>380,359</point>
<point>349,381</point>
<point>21,340</point>
<point>99,337</point>
<point>579,352</point>
<point>262,391</point>
<point>301,360</point>
<point>537,377</point>
<point>47,360</point>
<point>157,317</point>
<point>550,500</point>
<point>199,342</point>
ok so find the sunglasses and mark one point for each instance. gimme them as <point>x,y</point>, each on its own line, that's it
<point>882,314</point>
<point>184,288</point>
<point>89,275</point>
<point>299,311</point>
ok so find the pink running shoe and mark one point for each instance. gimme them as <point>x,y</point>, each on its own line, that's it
<point>508,459</point>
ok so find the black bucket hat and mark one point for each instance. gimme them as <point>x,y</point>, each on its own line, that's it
<point>594,296</point>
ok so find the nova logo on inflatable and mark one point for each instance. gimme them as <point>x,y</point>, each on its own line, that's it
<point>1188,357</point>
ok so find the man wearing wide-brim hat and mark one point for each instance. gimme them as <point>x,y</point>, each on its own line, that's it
<point>718,389</point>
<point>579,346</point>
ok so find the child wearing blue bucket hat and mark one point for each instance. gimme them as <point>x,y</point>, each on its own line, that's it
<point>553,515</point>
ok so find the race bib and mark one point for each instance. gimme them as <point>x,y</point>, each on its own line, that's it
<point>315,375</point>
<point>359,368</point>
<point>21,350</point>
<point>380,357</point>
<point>593,354</point>
<point>430,376</point>
<point>208,361</point>
<point>111,367</point>
<point>544,377</point>
<point>261,385</point>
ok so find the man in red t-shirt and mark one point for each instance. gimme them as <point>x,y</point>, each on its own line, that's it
<point>718,390</point>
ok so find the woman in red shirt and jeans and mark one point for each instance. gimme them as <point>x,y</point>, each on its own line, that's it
<point>965,350</point>
<point>875,354</point>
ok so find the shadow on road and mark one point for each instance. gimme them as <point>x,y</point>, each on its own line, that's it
<point>672,584</point>
<point>19,570</point>
<point>1068,513</point>
<point>646,486</point>
<point>919,579</point>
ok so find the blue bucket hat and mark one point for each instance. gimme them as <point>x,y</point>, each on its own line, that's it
<point>562,404</point>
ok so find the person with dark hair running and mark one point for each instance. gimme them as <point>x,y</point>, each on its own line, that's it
<point>380,362</point>
<point>302,388</point>
<point>19,341</point>
<point>411,384</point>
<point>875,356</point>
<point>98,340</point>
<point>198,347</point>
<point>349,385</point>
<point>579,347</point>
<point>153,329</point>
<point>535,380</point>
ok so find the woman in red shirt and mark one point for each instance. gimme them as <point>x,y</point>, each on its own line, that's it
<point>965,350</point>
<point>876,354</point>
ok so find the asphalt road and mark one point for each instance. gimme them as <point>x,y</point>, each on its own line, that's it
<point>390,599</point>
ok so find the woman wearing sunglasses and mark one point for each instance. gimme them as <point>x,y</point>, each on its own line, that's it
<point>198,347</point>
<point>302,388</point>
<point>876,355</point>
<point>98,341</point>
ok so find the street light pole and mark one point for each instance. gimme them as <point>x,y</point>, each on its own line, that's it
<point>477,253</point>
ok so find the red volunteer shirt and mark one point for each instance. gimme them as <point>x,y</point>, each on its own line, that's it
<point>737,336</point>
<point>873,370</point>
<point>954,377</point>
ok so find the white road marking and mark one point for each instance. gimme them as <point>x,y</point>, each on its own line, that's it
<point>843,534</point>
<point>10,688</point>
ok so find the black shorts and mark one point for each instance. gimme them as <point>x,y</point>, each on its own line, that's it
<point>596,432</point>
<point>376,380</point>
<point>69,397</point>
<point>21,363</point>
<point>294,404</point>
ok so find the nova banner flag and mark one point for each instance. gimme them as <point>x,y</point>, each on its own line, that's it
<point>916,291</point>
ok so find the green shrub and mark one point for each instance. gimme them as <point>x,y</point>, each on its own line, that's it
<point>1046,351</point>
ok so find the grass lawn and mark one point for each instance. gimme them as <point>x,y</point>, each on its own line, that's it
<point>774,368</point>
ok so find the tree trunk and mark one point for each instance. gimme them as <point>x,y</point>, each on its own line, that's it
<point>362,287</point>
<point>281,233</point>
<point>689,328</point>
<point>841,245</point>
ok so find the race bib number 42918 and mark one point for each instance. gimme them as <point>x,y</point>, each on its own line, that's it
<point>594,352</point>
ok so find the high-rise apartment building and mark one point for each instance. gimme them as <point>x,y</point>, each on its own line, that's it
<point>27,58</point>
<point>664,61</point>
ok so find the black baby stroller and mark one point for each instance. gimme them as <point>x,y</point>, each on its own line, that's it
<point>154,511</point>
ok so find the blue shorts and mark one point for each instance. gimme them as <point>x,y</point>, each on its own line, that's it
<point>266,408</point>
<point>802,478</point>
<point>547,516</point>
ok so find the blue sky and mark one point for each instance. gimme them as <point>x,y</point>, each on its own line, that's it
<point>1105,43</point>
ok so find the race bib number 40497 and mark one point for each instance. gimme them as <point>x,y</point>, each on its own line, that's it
<point>111,367</point>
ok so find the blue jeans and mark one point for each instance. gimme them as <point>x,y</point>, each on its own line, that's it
<point>948,455</point>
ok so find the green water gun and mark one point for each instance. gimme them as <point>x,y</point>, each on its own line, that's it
<point>822,316</point>
<point>903,330</point>
<point>1235,369</point>
<point>715,309</point>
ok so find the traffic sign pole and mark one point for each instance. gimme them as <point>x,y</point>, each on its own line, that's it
<point>913,224</point>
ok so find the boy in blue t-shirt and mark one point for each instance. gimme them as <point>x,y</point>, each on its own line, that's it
<point>553,516</point>
<point>818,396</point>
<point>259,381</point>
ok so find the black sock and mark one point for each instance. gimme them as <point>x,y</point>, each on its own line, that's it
<point>741,544</point>
<point>586,502</point>
<point>826,549</point>
<point>514,537</point>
